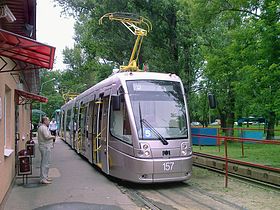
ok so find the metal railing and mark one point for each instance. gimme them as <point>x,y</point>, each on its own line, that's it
<point>219,139</point>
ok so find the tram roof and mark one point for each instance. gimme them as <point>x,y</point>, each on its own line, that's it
<point>121,77</point>
<point>146,75</point>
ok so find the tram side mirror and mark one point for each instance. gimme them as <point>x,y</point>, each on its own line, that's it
<point>116,102</point>
<point>212,101</point>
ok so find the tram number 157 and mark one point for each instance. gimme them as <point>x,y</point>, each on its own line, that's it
<point>168,166</point>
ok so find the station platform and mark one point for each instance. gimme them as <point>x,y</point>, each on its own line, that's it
<point>76,184</point>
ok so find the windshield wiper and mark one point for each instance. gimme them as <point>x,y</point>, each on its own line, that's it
<point>161,138</point>
<point>140,115</point>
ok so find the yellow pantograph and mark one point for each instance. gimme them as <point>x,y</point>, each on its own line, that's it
<point>132,22</point>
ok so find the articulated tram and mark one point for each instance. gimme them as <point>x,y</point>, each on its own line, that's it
<point>134,126</point>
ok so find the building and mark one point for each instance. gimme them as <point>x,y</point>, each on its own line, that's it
<point>21,57</point>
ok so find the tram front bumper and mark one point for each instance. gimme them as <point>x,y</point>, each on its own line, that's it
<point>162,170</point>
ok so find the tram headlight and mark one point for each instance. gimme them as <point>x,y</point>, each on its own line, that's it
<point>147,153</point>
<point>185,149</point>
<point>184,146</point>
<point>145,150</point>
<point>145,146</point>
<point>184,153</point>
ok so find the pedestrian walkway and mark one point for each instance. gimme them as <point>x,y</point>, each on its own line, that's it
<point>76,185</point>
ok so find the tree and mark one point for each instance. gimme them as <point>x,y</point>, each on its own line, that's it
<point>226,47</point>
<point>238,48</point>
<point>168,48</point>
<point>49,89</point>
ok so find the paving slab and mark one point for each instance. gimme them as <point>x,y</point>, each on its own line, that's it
<point>76,184</point>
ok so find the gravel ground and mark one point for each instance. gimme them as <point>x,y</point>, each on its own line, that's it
<point>245,194</point>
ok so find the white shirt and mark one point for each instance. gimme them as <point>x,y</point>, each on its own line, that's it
<point>44,135</point>
<point>52,126</point>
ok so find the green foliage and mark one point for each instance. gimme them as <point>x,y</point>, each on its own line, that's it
<point>240,45</point>
<point>226,47</point>
<point>166,49</point>
<point>49,88</point>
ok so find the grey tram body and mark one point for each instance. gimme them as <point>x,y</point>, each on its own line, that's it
<point>114,140</point>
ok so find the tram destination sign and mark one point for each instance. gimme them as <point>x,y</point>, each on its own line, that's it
<point>153,87</point>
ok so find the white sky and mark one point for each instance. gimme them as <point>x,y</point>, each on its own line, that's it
<point>54,29</point>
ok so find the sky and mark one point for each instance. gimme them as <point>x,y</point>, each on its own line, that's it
<point>54,29</point>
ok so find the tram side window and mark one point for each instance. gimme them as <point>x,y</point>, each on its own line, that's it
<point>68,120</point>
<point>74,120</point>
<point>90,117</point>
<point>119,124</point>
<point>82,118</point>
<point>62,117</point>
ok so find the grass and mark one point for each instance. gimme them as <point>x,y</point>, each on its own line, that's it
<point>264,154</point>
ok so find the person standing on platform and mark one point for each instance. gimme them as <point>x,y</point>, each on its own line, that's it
<point>53,128</point>
<point>45,141</point>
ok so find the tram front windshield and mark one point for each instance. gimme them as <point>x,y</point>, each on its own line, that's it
<point>158,108</point>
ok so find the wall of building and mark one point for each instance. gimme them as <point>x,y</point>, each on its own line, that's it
<point>8,83</point>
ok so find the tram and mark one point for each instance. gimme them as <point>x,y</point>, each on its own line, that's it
<point>134,125</point>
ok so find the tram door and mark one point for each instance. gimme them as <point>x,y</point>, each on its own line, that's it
<point>101,145</point>
<point>91,134</point>
<point>94,132</point>
<point>97,129</point>
<point>103,135</point>
<point>74,126</point>
<point>81,141</point>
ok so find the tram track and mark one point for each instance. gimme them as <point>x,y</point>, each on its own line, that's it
<point>138,198</point>
<point>190,195</point>
<point>175,196</point>
<point>269,178</point>
<point>201,196</point>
